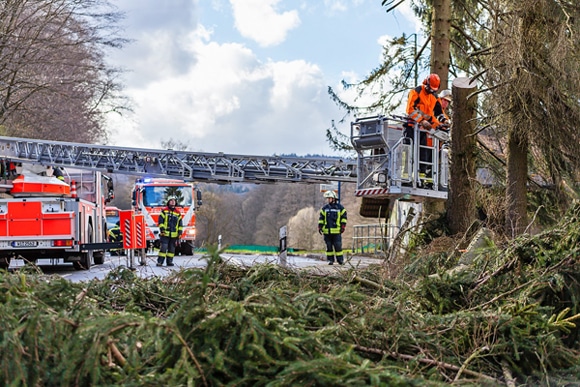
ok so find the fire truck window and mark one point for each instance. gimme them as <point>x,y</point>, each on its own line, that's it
<point>157,196</point>
<point>112,218</point>
<point>185,196</point>
<point>153,197</point>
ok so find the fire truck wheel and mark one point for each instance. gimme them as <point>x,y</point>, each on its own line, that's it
<point>99,257</point>
<point>85,262</point>
<point>86,258</point>
<point>186,248</point>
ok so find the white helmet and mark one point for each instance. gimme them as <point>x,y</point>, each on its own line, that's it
<point>330,194</point>
<point>446,94</point>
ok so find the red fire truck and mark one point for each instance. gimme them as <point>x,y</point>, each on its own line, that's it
<point>150,197</point>
<point>42,216</point>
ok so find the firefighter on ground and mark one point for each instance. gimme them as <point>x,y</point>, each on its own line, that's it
<point>116,236</point>
<point>424,108</point>
<point>331,225</point>
<point>170,228</point>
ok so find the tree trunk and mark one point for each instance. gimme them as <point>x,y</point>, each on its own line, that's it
<point>461,203</point>
<point>440,66</point>
<point>440,40</point>
<point>516,190</point>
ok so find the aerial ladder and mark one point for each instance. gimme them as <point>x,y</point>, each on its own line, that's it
<point>189,166</point>
<point>387,163</point>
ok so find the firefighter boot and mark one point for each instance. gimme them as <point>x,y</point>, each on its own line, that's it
<point>160,261</point>
<point>169,261</point>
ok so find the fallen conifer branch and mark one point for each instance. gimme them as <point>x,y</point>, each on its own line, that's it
<point>117,355</point>
<point>507,374</point>
<point>366,282</point>
<point>468,360</point>
<point>192,356</point>
<point>500,296</point>
<point>431,362</point>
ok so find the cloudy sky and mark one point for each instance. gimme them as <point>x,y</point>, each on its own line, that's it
<point>245,77</point>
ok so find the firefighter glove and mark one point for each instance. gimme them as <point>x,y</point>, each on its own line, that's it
<point>426,124</point>
<point>342,228</point>
<point>320,230</point>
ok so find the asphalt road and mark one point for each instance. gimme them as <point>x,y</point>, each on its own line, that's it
<point>150,269</point>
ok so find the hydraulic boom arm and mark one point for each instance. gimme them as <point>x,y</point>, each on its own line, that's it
<point>189,166</point>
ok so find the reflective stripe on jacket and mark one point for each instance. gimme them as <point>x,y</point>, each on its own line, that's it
<point>115,234</point>
<point>170,223</point>
<point>332,217</point>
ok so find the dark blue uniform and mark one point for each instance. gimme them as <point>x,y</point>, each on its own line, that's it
<point>331,224</point>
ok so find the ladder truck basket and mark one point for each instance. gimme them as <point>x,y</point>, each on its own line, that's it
<point>393,165</point>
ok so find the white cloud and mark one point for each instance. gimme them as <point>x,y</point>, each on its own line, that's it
<point>336,5</point>
<point>259,20</point>
<point>229,101</point>
<point>206,88</point>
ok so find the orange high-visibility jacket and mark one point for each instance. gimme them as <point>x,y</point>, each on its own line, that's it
<point>423,106</point>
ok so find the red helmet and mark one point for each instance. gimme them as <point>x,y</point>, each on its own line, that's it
<point>432,81</point>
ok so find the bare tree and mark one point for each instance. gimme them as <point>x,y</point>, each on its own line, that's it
<point>273,214</point>
<point>218,216</point>
<point>173,144</point>
<point>54,82</point>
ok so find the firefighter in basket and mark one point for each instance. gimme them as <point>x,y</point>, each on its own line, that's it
<point>442,131</point>
<point>424,108</point>
<point>170,228</point>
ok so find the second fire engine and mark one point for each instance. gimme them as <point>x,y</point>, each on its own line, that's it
<point>150,197</point>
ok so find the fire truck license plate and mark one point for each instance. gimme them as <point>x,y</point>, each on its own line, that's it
<point>24,243</point>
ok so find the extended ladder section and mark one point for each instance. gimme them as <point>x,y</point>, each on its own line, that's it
<point>189,166</point>
<point>391,165</point>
